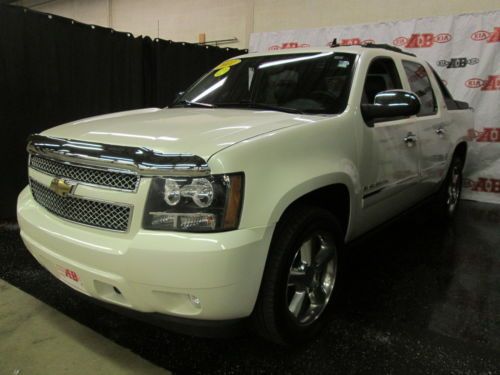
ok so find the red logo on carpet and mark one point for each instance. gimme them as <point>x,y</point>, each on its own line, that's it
<point>422,40</point>
<point>491,36</point>
<point>288,45</point>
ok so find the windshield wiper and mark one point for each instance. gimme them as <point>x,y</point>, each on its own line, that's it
<point>187,103</point>
<point>253,105</point>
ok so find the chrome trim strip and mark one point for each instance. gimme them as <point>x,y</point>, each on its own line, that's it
<point>92,167</point>
<point>141,160</point>
<point>368,195</point>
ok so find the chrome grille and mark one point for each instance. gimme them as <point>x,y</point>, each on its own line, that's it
<point>81,210</point>
<point>117,180</point>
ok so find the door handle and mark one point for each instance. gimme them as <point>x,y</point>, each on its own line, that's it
<point>440,131</point>
<point>410,139</point>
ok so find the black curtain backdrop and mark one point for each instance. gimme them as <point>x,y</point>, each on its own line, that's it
<point>54,70</point>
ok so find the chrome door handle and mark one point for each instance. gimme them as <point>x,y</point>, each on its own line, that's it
<point>410,139</point>
<point>440,131</point>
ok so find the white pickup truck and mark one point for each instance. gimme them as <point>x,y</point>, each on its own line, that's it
<point>235,203</point>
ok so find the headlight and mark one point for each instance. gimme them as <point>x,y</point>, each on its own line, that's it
<point>206,204</point>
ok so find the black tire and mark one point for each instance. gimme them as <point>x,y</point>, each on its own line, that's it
<point>297,235</point>
<point>449,194</point>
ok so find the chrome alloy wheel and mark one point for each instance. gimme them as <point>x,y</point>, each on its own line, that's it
<point>312,277</point>
<point>454,187</point>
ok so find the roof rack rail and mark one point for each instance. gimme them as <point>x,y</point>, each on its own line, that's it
<point>388,47</point>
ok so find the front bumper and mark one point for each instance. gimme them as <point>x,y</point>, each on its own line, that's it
<point>151,271</point>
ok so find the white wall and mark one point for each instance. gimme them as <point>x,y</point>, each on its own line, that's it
<point>183,20</point>
<point>95,12</point>
<point>272,15</point>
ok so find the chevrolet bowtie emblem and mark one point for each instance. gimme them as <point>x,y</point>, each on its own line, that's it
<point>61,187</point>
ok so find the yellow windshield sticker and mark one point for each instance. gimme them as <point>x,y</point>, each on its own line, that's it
<point>225,66</point>
<point>222,71</point>
<point>227,63</point>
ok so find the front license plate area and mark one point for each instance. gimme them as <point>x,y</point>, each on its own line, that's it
<point>70,278</point>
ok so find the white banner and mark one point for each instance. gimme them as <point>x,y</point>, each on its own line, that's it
<point>463,49</point>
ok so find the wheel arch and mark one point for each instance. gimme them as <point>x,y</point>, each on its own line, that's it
<point>335,197</point>
<point>461,151</point>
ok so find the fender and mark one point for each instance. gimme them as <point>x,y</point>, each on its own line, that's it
<point>299,191</point>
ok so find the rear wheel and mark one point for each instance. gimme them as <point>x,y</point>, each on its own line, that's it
<point>300,276</point>
<point>449,195</point>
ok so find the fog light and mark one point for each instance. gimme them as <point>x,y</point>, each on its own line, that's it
<point>199,221</point>
<point>164,220</point>
<point>195,301</point>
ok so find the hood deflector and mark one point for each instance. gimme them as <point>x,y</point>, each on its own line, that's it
<point>141,160</point>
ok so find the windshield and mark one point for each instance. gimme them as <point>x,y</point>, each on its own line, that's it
<point>303,83</point>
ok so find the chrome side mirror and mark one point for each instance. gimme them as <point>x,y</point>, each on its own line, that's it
<point>391,105</point>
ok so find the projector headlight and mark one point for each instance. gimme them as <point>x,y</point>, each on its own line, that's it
<point>206,204</point>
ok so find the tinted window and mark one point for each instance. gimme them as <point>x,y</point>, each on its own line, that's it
<point>448,99</point>
<point>306,82</point>
<point>382,75</point>
<point>421,85</point>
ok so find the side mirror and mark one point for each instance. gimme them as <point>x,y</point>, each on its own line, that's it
<point>390,105</point>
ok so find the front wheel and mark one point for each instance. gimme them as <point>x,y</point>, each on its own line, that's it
<point>300,276</point>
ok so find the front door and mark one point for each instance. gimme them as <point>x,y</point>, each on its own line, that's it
<point>390,162</point>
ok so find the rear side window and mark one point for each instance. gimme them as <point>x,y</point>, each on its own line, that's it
<point>448,99</point>
<point>421,85</point>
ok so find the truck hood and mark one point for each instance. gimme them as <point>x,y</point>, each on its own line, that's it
<point>197,131</point>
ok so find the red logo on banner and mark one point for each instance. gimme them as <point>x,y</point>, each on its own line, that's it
<point>480,35</point>
<point>354,42</point>
<point>487,185</point>
<point>443,38</point>
<point>288,45</point>
<point>495,36</point>
<point>487,135</point>
<point>492,37</point>
<point>400,41</point>
<point>492,83</point>
<point>474,83</point>
<point>423,40</point>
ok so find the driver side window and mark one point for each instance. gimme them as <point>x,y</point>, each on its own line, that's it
<point>382,75</point>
